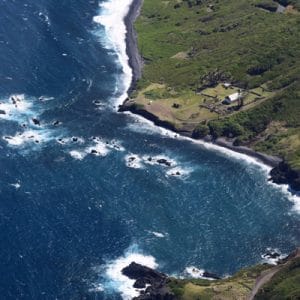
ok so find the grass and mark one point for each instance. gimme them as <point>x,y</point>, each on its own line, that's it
<point>190,48</point>
<point>283,285</point>
<point>237,287</point>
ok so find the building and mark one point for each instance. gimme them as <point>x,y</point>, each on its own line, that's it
<point>232,98</point>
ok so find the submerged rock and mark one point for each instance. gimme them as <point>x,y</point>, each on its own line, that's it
<point>36,121</point>
<point>165,162</point>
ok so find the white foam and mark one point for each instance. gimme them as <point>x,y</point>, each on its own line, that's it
<point>78,154</point>
<point>179,172</point>
<point>143,125</point>
<point>16,185</point>
<point>293,197</point>
<point>29,136</point>
<point>154,160</point>
<point>112,15</point>
<point>99,148</point>
<point>120,283</point>
<point>267,257</point>
<point>134,161</point>
<point>194,272</point>
<point>16,108</point>
<point>158,234</point>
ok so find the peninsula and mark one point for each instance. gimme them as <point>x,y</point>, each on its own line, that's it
<point>225,72</point>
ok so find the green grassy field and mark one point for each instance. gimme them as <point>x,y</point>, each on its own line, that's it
<point>190,46</point>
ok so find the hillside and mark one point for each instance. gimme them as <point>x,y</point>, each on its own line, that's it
<point>199,53</point>
<point>257,282</point>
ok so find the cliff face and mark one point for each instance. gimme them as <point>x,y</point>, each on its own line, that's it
<point>257,282</point>
<point>284,174</point>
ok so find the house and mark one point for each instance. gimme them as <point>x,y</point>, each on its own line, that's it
<point>232,98</point>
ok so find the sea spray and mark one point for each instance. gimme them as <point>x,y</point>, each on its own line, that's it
<point>111,17</point>
<point>115,281</point>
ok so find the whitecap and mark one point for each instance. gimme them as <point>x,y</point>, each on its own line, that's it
<point>111,17</point>
<point>194,272</point>
<point>116,281</point>
<point>16,185</point>
<point>179,172</point>
<point>134,161</point>
<point>272,256</point>
<point>77,154</point>
<point>158,234</point>
<point>29,136</point>
<point>143,125</point>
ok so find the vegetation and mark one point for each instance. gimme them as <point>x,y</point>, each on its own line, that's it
<point>191,47</point>
<point>283,285</point>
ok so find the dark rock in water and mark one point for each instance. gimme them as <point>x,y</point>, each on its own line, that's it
<point>140,283</point>
<point>93,151</point>
<point>284,174</point>
<point>271,254</point>
<point>163,161</point>
<point>2,112</point>
<point>56,123</point>
<point>36,121</point>
<point>150,158</point>
<point>210,275</point>
<point>158,282</point>
<point>136,271</point>
<point>131,158</point>
<point>74,139</point>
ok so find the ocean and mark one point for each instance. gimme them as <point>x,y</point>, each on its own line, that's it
<point>85,190</point>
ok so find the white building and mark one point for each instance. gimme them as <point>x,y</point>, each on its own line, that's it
<point>232,98</point>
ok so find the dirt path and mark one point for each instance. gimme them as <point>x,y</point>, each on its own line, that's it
<point>268,274</point>
<point>263,279</point>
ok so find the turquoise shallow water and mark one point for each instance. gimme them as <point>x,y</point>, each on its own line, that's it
<point>68,216</point>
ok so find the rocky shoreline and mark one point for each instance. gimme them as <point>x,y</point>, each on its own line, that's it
<point>153,284</point>
<point>135,60</point>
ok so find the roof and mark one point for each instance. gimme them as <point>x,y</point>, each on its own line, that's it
<point>233,97</point>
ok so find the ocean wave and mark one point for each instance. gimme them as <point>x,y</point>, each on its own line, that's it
<point>114,281</point>
<point>111,17</point>
<point>134,161</point>
<point>142,125</point>
<point>272,256</point>
<point>28,137</point>
<point>25,111</point>
<point>97,147</point>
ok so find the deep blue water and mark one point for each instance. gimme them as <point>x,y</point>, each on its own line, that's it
<point>62,219</point>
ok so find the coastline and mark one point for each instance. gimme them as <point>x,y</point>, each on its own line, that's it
<point>134,58</point>
<point>280,172</point>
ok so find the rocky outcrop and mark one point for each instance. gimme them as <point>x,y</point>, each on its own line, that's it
<point>153,283</point>
<point>284,174</point>
<point>139,110</point>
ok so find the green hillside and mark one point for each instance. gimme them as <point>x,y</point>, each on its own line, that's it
<point>191,47</point>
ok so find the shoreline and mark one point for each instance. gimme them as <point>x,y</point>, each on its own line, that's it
<point>134,58</point>
<point>280,171</point>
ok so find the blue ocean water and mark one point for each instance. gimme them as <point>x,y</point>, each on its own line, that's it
<point>78,193</point>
